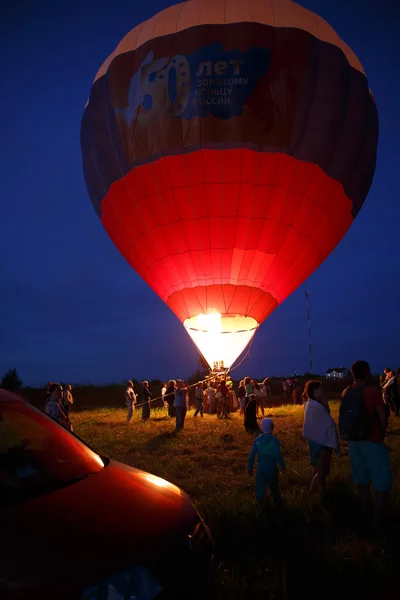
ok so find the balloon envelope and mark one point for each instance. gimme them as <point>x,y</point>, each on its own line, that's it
<point>227,147</point>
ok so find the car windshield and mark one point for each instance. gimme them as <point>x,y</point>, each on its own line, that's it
<point>37,455</point>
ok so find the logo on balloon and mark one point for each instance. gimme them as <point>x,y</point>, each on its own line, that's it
<point>211,81</point>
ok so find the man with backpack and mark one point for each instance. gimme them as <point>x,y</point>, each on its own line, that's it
<point>363,421</point>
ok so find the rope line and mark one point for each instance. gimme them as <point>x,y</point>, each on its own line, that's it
<point>244,357</point>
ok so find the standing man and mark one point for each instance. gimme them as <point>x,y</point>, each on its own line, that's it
<point>169,397</point>
<point>180,405</point>
<point>68,399</point>
<point>130,399</point>
<point>383,377</point>
<point>48,394</point>
<point>146,397</point>
<point>224,401</point>
<point>391,392</point>
<point>198,393</point>
<point>363,421</point>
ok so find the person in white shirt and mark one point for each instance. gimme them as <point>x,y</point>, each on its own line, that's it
<point>265,392</point>
<point>267,387</point>
<point>130,399</point>
<point>319,429</point>
<point>68,399</point>
<point>163,392</point>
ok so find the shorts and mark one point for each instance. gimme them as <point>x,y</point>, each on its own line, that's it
<point>315,450</point>
<point>370,463</point>
<point>242,402</point>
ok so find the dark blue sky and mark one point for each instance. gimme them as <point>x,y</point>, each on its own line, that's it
<point>71,308</point>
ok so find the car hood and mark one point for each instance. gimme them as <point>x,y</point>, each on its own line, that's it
<point>77,535</point>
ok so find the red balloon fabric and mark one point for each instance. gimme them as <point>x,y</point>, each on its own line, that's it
<point>227,147</point>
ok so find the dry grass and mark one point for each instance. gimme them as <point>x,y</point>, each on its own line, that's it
<point>307,550</point>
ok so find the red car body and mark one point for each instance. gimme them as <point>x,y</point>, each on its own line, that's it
<point>63,535</point>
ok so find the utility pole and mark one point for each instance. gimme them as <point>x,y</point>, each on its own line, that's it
<point>309,329</point>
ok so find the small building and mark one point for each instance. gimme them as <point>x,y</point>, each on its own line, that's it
<point>337,373</point>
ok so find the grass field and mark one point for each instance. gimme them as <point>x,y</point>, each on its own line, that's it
<point>308,550</point>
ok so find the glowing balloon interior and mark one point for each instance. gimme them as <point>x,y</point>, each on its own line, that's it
<point>227,148</point>
<point>220,339</point>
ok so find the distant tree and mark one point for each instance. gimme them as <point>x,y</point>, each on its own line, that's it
<point>11,381</point>
<point>134,380</point>
<point>313,376</point>
<point>88,384</point>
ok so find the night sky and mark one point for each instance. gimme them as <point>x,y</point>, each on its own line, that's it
<point>72,309</point>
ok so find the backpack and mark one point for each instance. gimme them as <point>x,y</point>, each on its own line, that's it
<point>354,420</point>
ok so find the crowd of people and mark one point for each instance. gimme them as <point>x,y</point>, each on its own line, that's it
<point>363,422</point>
<point>216,396</point>
<point>369,457</point>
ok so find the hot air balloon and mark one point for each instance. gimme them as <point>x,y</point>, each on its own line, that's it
<point>227,147</point>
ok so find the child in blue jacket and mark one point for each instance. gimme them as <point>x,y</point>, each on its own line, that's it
<point>268,449</point>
